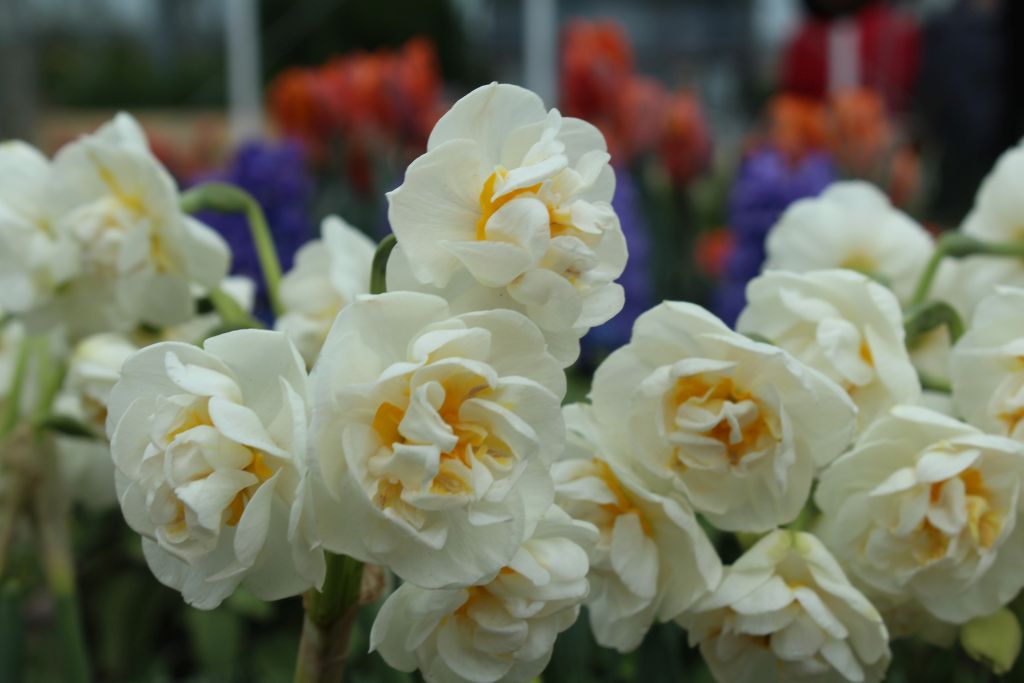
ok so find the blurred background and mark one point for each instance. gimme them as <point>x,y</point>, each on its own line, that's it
<point>718,115</point>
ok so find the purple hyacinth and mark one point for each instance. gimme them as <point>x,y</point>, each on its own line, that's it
<point>636,279</point>
<point>277,176</point>
<point>765,185</point>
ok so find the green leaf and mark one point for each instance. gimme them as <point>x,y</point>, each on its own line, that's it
<point>70,426</point>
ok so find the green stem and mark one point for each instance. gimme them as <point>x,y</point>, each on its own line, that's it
<point>50,515</point>
<point>12,406</point>
<point>937,384</point>
<point>920,319</point>
<point>327,627</point>
<point>50,373</point>
<point>959,245</point>
<point>379,269</point>
<point>226,198</point>
<point>231,312</point>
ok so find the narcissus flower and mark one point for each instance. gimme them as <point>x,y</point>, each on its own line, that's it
<point>209,446</point>
<point>737,426</point>
<point>35,258</point>
<point>841,323</point>
<point>139,253</point>
<point>786,612</point>
<point>997,216</point>
<point>502,631</point>
<point>652,559</point>
<point>851,225</point>
<point>434,435</point>
<point>925,510</point>
<point>987,367</point>
<point>509,208</point>
<point>328,274</point>
<point>93,368</point>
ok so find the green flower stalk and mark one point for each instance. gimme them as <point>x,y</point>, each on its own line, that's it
<point>327,627</point>
<point>379,269</point>
<point>959,245</point>
<point>230,199</point>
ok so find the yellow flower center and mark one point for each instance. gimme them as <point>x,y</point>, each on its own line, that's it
<point>452,477</point>
<point>257,467</point>
<point>197,416</point>
<point>558,219</point>
<point>712,395</point>
<point>622,505</point>
<point>860,262</point>
<point>161,257</point>
<point>983,522</point>
<point>489,206</point>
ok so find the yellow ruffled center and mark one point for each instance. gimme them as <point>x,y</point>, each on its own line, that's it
<point>622,505</point>
<point>159,253</point>
<point>713,395</point>
<point>197,416</point>
<point>559,220</point>
<point>983,520</point>
<point>455,467</point>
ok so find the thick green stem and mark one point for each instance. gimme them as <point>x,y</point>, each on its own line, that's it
<point>50,515</point>
<point>50,376</point>
<point>379,269</point>
<point>959,245</point>
<point>327,627</point>
<point>226,198</point>
<point>12,406</point>
<point>921,319</point>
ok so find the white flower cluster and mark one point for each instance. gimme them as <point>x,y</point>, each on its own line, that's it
<point>429,435</point>
<point>94,241</point>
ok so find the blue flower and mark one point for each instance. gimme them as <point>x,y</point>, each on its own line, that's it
<point>636,279</point>
<point>275,174</point>
<point>766,183</point>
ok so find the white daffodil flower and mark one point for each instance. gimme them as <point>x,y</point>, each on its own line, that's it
<point>786,612</point>
<point>502,631</point>
<point>851,225</point>
<point>210,450</point>
<point>328,274</point>
<point>997,216</point>
<point>510,208</point>
<point>987,365</point>
<point>652,559</point>
<point>842,324</point>
<point>434,435</point>
<point>35,258</point>
<point>139,253</point>
<point>925,510</point>
<point>739,427</point>
<point>94,367</point>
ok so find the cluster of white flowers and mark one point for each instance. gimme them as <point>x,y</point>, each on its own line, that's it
<point>94,240</point>
<point>429,435</point>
